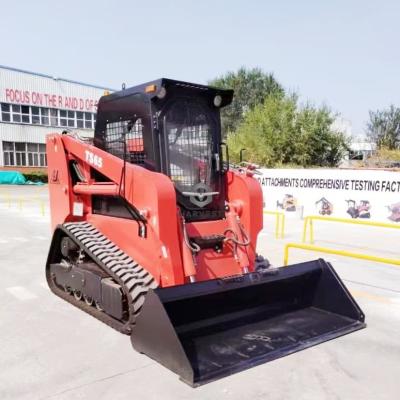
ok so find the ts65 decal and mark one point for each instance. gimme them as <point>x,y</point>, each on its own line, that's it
<point>93,159</point>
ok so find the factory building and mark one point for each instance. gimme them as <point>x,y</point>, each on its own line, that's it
<point>33,105</point>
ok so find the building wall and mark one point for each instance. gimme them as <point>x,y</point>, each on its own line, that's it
<point>20,87</point>
<point>25,170</point>
<point>33,105</point>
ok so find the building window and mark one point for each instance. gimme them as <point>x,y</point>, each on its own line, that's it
<point>25,114</point>
<point>16,113</point>
<point>88,120</point>
<point>8,153</point>
<point>42,155</point>
<point>20,113</point>
<point>35,115</point>
<point>24,154</point>
<point>20,154</point>
<point>33,157</point>
<point>67,118</point>
<point>63,118</point>
<point>46,116</point>
<point>80,122</point>
<point>53,117</point>
<point>5,112</point>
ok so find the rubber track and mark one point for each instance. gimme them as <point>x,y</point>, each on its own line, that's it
<point>134,280</point>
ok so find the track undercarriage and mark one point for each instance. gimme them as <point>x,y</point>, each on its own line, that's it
<point>89,271</point>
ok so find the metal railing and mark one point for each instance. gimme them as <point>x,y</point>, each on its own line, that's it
<point>343,253</point>
<point>279,223</point>
<point>308,221</point>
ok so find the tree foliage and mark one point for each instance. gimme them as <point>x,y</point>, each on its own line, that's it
<point>383,128</point>
<point>252,87</point>
<point>280,132</point>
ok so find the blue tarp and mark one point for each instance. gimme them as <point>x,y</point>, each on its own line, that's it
<point>12,178</point>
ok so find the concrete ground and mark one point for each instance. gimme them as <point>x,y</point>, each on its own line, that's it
<point>50,350</point>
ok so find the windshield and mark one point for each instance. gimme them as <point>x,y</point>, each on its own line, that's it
<point>190,129</point>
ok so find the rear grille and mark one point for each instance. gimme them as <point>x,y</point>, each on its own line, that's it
<point>125,139</point>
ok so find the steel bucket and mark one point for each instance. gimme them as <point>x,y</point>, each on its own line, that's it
<point>207,330</point>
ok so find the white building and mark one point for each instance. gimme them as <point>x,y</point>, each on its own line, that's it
<point>342,125</point>
<point>33,105</point>
<point>361,148</point>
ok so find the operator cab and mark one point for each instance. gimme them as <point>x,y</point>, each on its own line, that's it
<point>174,128</point>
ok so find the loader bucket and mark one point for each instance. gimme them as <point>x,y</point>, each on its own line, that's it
<point>204,331</point>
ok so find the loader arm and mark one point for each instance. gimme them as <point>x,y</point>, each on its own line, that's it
<point>150,193</point>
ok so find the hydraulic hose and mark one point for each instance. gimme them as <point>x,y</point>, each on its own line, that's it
<point>194,247</point>
<point>234,237</point>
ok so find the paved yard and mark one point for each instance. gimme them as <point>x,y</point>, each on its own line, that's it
<point>50,350</point>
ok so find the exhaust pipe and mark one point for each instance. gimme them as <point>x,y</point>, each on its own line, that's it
<point>207,330</point>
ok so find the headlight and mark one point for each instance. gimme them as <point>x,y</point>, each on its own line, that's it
<point>162,93</point>
<point>217,100</point>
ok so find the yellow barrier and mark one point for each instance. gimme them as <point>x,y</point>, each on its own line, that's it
<point>7,198</point>
<point>279,223</point>
<point>309,222</point>
<point>343,253</point>
<point>42,208</point>
<point>20,201</point>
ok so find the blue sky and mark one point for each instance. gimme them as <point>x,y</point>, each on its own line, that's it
<point>341,53</point>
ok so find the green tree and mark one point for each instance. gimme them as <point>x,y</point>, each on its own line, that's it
<point>383,128</point>
<point>279,132</point>
<point>251,87</point>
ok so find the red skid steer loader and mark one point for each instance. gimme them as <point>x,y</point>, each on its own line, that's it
<point>155,235</point>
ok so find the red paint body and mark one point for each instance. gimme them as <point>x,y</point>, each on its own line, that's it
<point>163,251</point>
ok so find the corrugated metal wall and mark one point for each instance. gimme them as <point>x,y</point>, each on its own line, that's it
<point>25,133</point>
<point>40,89</point>
<point>10,79</point>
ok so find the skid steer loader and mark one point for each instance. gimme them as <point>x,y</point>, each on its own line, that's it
<point>155,235</point>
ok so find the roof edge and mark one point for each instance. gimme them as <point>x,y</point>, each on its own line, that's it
<point>55,78</point>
